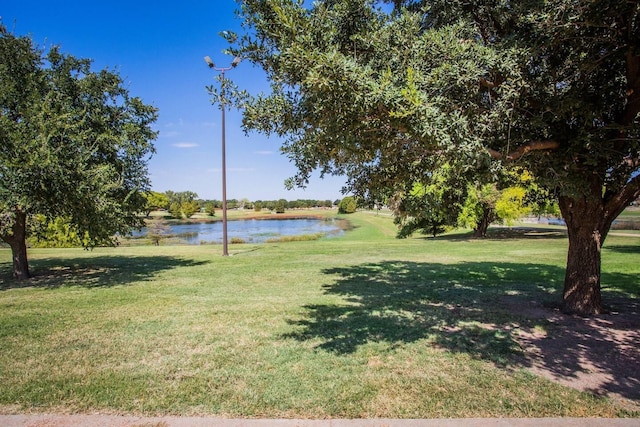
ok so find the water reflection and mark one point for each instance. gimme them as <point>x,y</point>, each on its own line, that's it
<point>253,230</point>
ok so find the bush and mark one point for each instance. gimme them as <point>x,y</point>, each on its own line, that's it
<point>58,233</point>
<point>175,210</point>
<point>347,205</point>
<point>190,208</point>
<point>280,206</point>
<point>210,208</point>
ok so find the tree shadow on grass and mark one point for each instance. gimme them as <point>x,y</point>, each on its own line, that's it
<point>624,249</point>
<point>502,233</point>
<point>501,312</point>
<point>452,305</point>
<point>93,272</point>
<point>522,232</point>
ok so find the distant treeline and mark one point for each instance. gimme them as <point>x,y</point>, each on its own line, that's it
<point>186,203</point>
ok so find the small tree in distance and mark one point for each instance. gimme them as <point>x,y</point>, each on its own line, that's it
<point>175,210</point>
<point>347,205</point>
<point>280,206</point>
<point>157,230</point>
<point>210,208</point>
<point>156,201</point>
<point>479,208</point>
<point>189,208</point>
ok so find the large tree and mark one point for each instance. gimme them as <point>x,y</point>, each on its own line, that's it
<point>73,144</point>
<point>384,92</point>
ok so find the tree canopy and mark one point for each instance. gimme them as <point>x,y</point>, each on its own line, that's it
<point>73,144</point>
<point>385,92</point>
<point>155,201</point>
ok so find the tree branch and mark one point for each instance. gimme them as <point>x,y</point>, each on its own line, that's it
<point>621,199</point>
<point>489,84</point>
<point>493,153</point>
<point>532,146</point>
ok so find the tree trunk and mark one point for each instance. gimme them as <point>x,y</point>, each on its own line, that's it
<point>18,243</point>
<point>587,227</point>
<point>483,225</point>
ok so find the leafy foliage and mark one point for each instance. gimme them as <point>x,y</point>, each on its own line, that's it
<point>347,205</point>
<point>381,97</point>
<point>175,210</point>
<point>58,233</point>
<point>189,208</point>
<point>280,205</point>
<point>156,201</point>
<point>432,206</point>
<point>210,208</point>
<point>73,144</point>
<point>510,206</point>
<point>478,211</point>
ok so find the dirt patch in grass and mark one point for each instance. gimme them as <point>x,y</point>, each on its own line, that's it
<point>600,355</point>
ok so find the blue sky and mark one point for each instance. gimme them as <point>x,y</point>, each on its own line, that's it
<point>158,48</point>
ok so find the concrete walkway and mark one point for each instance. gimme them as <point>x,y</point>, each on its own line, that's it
<point>127,421</point>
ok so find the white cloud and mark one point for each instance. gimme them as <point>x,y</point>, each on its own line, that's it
<point>169,134</point>
<point>263,152</point>
<point>186,145</point>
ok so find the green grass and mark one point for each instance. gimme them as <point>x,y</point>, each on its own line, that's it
<point>632,212</point>
<point>361,325</point>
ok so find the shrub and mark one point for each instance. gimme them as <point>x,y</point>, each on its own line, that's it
<point>210,208</point>
<point>58,233</point>
<point>175,210</point>
<point>189,208</point>
<point>280,206</point>
<point>347,205</point>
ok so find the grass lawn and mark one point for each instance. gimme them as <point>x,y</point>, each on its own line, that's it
<point>632,212</point>
<point>362,325</point>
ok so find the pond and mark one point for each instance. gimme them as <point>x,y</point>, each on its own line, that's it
<point>254,230</point>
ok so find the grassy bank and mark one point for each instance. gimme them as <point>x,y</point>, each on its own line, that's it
<point>362,325</point>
